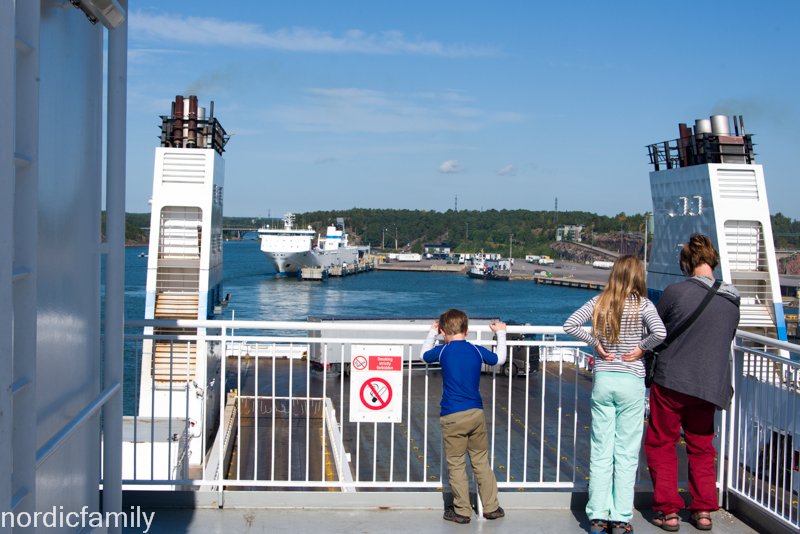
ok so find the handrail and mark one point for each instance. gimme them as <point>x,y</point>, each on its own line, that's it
<point>52,445</point>
<point>360,326</point>
<point>778,344</point>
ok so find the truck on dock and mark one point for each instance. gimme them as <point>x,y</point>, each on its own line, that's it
<point>603,264</point>
<point>409,257</point>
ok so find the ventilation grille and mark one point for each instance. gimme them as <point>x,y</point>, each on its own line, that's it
<point>180,233</point>
<point>746,250</point>
<point>749,272</point>
<point>187,168</point>
<point>737,185</point>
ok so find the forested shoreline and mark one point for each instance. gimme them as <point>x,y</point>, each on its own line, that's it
<point>527,232</point>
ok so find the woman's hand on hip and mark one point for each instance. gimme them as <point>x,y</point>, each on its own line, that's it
<point>633,356</point>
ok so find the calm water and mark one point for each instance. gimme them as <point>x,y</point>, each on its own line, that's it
<point>257,295</point>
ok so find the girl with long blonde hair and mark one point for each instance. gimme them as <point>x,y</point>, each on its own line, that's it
<point>625,324</point>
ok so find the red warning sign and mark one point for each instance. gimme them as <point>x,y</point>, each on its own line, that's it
<point>360,363</point>
<point>385,363</point>
<point>376,393</point>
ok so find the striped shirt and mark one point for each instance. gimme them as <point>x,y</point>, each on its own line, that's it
<point>649,333</point>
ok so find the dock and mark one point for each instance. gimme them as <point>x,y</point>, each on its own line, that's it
<point>321,274</point>
<point>435,268</point>
<point>569,282</point>
<point>313,274</point>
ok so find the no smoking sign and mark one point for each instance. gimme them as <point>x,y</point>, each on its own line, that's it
<point>376,393</point>
<point>376,384</point>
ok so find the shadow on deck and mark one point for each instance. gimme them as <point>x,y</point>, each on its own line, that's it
<point>317,520</point>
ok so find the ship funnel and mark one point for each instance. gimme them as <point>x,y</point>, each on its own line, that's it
<point>720,125</point>
<point>188,127</point>
<point>702,126</point>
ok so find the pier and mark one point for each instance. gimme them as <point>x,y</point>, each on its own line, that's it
<point>453,269</point>
<point>321,274</point>
<point>569,282</point>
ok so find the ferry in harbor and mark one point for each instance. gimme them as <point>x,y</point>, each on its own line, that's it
<point>484,268</point>
<point>290,249</point>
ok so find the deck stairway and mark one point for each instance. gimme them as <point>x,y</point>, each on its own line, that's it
<point>175,306</point>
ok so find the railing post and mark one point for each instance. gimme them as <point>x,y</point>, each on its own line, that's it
<point>115,265</point>
<point>7,57</point>
<point>221,431</point>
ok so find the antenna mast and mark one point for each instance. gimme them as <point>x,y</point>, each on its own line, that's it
<point>556,211</point>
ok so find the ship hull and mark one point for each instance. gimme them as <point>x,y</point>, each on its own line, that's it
<point>290,263</point>
<point>488,276</point>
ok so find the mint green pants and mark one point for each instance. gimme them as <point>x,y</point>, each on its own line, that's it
<point>617,425</point>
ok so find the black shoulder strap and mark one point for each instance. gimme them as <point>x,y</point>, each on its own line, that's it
<point>672,336</point>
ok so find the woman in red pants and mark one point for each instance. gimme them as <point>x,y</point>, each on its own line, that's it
<point>692,380</point>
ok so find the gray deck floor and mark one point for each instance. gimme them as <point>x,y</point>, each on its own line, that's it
<point>319,521</point>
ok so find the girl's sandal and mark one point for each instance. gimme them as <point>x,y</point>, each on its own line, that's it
<point>696,517</point>
<point>661,521</point>
<point>598,526</point>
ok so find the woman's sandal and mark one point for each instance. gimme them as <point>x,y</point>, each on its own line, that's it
<point>696,517</point>
<point>660,520</point>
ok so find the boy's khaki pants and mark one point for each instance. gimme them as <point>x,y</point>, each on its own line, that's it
<point>465,433</point>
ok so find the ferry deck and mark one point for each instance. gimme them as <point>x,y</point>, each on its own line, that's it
<point>63,436</point>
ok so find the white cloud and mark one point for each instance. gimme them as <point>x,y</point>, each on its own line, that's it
<point>448,94</point>
<point>364,110</point>
<point>149,55</point>
<point>465,112</point>
<point>320,161</point>
<point>508,116</point>
<point>210,31</point>
<point>508,170</point>
<point>450,166</point>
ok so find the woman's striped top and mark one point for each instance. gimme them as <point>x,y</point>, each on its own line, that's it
<point>647,334</point>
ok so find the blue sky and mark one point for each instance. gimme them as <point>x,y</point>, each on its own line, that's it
<point>335,105</point>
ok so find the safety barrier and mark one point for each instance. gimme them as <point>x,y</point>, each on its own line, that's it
<point>292,429</point>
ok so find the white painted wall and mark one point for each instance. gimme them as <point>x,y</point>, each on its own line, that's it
<point>69,352</point>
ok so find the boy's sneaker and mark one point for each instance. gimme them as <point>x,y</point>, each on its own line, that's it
<point>451,515</point>
<point>494,515</point>
<point>620,527</point>
<point>598,526</point>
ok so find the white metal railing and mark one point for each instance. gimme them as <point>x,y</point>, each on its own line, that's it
<point>764,450</point>
<point>299,416</point>
<point>289,425</point>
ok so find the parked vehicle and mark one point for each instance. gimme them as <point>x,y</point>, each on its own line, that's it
<point>409,257</point>
<point>515,365</point>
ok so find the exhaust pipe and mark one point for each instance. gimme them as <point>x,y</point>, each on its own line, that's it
<point>191,142</point>
<point>178,139</point>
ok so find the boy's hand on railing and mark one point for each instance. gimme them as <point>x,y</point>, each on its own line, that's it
<point>497,325</point>
<point>633,356</point>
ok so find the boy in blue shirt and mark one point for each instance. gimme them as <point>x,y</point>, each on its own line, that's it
<point>462,420</point>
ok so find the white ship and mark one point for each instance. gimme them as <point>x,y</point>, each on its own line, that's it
<point>289,249</point>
